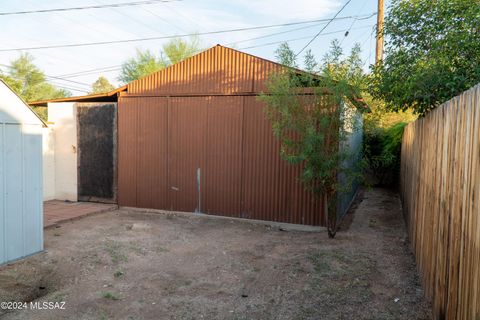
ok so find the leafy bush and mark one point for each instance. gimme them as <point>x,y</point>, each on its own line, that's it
<point>382,148</point>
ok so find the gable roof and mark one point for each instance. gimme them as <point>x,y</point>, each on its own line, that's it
<point>217,70</point>
<point>21,102</point>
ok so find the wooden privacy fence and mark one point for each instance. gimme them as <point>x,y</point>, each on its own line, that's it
<point>440,189</point>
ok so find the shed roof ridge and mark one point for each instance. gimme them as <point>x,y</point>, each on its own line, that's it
<point>23,101</point>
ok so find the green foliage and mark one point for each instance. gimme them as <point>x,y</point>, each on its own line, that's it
<point>382,148</point>
<point>311,127</point>
<point>178,49</point>
<point>431,54</point>
<point>146,62</point>
<point>348,68</point>
<point>102,85</point>
<point>110,295</point>
<point>29,82</point>
<point>285,55</point>
<point>310,62</point>
<point>382,142</point>
<point>143,64</point>
<point>42,112</point>
<point>118,274</point>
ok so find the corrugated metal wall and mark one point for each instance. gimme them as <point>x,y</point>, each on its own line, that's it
<point>21,216</point>
<point>215,155</point>
<point>194,137</point>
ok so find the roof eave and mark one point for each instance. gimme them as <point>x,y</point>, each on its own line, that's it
<point>80,98</point>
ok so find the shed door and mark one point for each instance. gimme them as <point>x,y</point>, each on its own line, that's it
<point>187,121</point>
<point>96,123</point>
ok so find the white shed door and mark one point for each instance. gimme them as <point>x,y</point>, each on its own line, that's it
<point>21,207</point>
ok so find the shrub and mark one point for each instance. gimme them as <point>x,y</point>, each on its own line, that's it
<point>382,147</point>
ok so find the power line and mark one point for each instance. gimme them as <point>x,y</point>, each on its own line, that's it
<point>51,77</point>
<point>179,13</point>
<point>163,19</point>
<point>119,67</point>
<point>131,17</point>
<point>87,71</point>
<point>300,38</point>
<point>94,72</point>
<point>54,84</point>
<point>178,36</point>
<point>351,25</point>
<point>296,29</point>
<point>100,6</point>
<point>315,37</point>
<point>272,34</point>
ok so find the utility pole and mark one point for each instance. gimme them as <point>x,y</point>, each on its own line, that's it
<point>379,49</point>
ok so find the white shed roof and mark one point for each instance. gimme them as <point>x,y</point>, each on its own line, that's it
<point>14,110</point>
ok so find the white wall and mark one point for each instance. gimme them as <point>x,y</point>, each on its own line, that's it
<point>13,109</point>
<point>62,143</point>
<point>48,144</point>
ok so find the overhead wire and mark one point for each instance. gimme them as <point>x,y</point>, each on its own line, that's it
<point>80,73</point>
<point>179,13</point>
<point>50,77</point>
<point>300,38</point>
<point>65,77</point>
<point>131,17</point>
<point>316,36</point>
<point>119,67</point>
<point>296,29</point>
<point>163,19</point>
<point>172,36</point>
<point>351,25</point>
<point>99,6</point>
<point>56,85</point>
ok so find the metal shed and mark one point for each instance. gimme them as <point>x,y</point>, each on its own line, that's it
<point>194,137</point>
<point>21,214</point>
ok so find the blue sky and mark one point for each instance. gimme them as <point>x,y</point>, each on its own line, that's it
<point>172,18</point>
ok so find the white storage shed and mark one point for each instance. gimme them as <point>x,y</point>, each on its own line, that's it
<point>21,205</point>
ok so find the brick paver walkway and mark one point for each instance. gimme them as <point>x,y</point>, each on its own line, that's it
<point>55,211</point>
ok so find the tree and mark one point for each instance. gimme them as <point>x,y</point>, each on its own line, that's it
<point>29,82</point>
<point>310,62</point>
<point>431,54</point>
<point>146,62</point>
<point>349,69</point>
<point>102,85</point>
<point>143,64</point>
<point>311,127</point>
<point>178,49</point>
<point>285,55</point>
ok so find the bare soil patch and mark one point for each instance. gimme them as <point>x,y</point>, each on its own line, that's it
<point>135,265</point>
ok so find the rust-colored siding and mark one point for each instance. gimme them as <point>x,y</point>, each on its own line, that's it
<point>271,190</point>
<point>187,121</point>
<point>222,179</point>
<point>218,70</point>
<point>194,137</point>
<point>127,152</point>
<point>152,146</point>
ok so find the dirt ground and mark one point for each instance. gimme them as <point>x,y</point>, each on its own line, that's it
<point>134,265</point>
